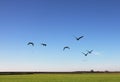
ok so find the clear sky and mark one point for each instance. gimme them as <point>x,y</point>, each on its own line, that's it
<point>56,22</point>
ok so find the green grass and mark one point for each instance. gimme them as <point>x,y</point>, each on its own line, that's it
<point>90,77</point>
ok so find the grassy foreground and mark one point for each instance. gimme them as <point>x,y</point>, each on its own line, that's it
<point>87,77</point>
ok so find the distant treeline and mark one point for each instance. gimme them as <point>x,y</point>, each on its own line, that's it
<point>15,73</point>
<point>75,72</point>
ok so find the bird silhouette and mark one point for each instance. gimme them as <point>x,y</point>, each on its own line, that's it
<point>66,47</point>
<point>30,43</point>
<point>85,54</point>
<point>90,51</point>
<point>78,38</point>
<point>43,44</point>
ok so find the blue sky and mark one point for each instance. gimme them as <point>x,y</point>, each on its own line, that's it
<point>56,22</point>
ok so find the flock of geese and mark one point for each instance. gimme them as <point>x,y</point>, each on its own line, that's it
<point>66,47</point>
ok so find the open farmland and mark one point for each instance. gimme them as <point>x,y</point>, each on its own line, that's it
<point>85,77</point>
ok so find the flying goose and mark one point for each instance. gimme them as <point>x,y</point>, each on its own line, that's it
<point>43,44</point>
<point>78,38</point>
<point>30,43</point>
<point>90,51</point>
<point>85,54</point>
<point>66,47</point>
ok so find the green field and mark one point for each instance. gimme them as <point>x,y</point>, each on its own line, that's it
<point>86,77</point>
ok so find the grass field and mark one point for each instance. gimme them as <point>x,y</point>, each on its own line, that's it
<point>86,77</point>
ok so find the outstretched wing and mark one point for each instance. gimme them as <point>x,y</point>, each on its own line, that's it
<point>66,47</point>
<point>30,43</point>
<point>85,54</point>
<point>90,51</point>
<point>43,44</point>
<point>76,37</point>
<point>63,48</point>
<point>80,37</point>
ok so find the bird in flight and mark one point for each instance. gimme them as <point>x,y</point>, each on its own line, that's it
<point>30,43</point>
<point>66,47</point>
<point>85,54</point>
<point>90,51</point>
<point>43,44</point>
<point>78,38</point>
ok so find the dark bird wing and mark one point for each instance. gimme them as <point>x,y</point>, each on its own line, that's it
<point>66,47</point>
<point>43,44</point>
<point>78,38</point>
<point>63,48</point>
<point>90,51</point>
<point>30,43</point>
<point>85,54</point>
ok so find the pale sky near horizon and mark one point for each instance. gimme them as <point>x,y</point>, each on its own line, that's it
<point>56,22</point>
